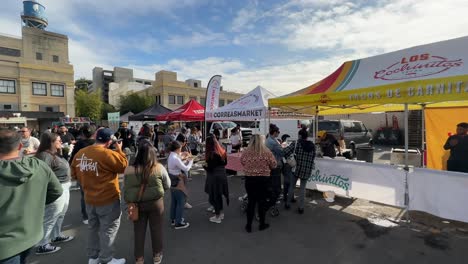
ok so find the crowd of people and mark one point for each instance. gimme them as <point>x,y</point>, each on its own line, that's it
<point>97,160</point>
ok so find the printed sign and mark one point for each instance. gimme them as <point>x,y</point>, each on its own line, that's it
<point>332,179</point>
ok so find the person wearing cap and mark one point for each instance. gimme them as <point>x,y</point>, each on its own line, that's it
<point>97,168</point>
<point>327,143</point>
<point>458,146</point>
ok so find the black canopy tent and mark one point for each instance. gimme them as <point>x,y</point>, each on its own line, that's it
<point>150,113</point>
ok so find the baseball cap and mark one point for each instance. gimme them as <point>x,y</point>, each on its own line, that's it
<point>104,135</point>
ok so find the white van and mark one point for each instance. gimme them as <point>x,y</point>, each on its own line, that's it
<point>286,126</point>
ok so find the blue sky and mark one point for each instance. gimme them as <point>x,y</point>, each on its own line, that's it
<point>281,45</point>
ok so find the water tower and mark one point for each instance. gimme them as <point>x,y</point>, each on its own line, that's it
<point>33,15</point>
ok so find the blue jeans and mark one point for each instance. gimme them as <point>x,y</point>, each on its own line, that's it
<point>177,205</point>
<point>54,214</point>
<point>104,223</point>
<point>84,214</point>
<point>301,191</point>
<point>16,259</point>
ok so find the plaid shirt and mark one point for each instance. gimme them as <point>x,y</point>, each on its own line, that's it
<point>304,160</point>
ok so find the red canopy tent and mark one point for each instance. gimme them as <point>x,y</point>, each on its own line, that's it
<point>191,111</point>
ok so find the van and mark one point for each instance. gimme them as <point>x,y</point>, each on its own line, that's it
<point>353,132</point>
<point>286,126</point>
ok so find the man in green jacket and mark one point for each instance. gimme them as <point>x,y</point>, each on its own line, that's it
<point>26,186</point>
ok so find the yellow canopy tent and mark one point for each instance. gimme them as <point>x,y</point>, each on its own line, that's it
<point>428,76</point>
<point>435,75</point>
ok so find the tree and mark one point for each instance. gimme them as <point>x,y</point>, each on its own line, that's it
<point>88,104</point>
<point>106,108</point>
<point>135,103</point>
<point>82,84</point>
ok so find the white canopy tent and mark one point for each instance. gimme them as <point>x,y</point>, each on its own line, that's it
<point>252,106</point>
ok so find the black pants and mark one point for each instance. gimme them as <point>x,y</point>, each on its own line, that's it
<point>151,213</point>
<point>457,165</point>
<point>275,185</point>
<point>256,187</point>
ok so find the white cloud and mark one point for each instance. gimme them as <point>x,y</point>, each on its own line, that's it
<point>197,39</point>
<point>245,18</point>
<point>386,26</point>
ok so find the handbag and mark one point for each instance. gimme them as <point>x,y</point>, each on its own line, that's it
<point>291,160</point>
<point>132,208</point>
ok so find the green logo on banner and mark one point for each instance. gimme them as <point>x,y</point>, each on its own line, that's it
<point>334,180</point>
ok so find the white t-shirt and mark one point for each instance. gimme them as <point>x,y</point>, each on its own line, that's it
<point>236,139</point>
<point>31,144</point>
<point>175,164</point>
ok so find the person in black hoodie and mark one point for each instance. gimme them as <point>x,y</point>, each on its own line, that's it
<point>216,184</point>
<point>85,138</point>
<point>305,155</point>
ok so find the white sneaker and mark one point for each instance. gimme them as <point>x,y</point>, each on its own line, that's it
<point>221,215</point>
<point>93,261</point>
<point>215,219</point>
<point>86,222</point>
<point>210,209</point>
<point>117,261</point>
<point>187,206</point>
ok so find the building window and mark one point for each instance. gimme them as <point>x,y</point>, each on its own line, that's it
<point>221,102</point>
<point>158,99</point>
<point>49,109</point>
<point>55,58</point>
<point>39,88</point>
<point>195,85</point>
<point>203,101</point>
<point>38,56</point>
<point>10,52</point>
<point>6,107</point>
<point>7,86</point>
<point>57,90</point>
<point>180,99</point>
<point>171,99</point>
<point>147,83</point>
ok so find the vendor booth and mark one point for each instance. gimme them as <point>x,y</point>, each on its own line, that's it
<point>252,106</point>
<point>432,76</point>
<point>191,111</point>
<point>150,113</point>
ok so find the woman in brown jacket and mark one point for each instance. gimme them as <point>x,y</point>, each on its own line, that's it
<point>258,161</point>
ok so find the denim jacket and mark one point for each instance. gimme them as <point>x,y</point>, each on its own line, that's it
<point>276,149</point>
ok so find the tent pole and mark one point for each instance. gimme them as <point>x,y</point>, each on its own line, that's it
<point>406,168</point>
<point>406,135</point>
<point>423,135</point>
<point>316,124</point>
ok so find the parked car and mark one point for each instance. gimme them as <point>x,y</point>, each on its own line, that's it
<point>353,132</point>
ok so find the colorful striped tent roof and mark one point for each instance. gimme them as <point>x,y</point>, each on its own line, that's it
<point>435,75</point>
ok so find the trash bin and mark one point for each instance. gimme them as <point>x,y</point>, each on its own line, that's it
<point>365,153</point>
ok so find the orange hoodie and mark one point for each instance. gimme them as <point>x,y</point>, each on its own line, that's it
<point>97,169</point>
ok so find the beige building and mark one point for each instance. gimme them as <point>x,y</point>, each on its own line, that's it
<point>122,89</point>
<point>171,93</point>
<point>36,77</point>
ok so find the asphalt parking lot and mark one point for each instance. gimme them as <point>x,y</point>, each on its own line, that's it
<point>346,231</point>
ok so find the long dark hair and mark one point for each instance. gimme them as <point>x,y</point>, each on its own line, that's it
<point>213,147</point>
<point>146,160</point>
<point>47,141</point>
